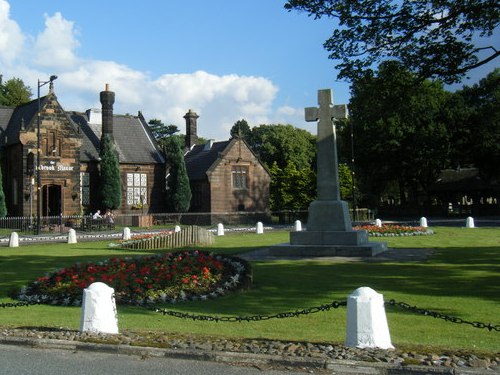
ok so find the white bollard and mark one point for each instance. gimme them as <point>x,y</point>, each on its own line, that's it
<point>378,223</point>
<point>126,234</point>
<point>423,222</point>
<point>220,229</point>
<point>99,309</point>
<point>297,226</point>
<point>177,229</point>
<point>366,320</point>
<point>14,240</point>
<point>260,228</point>
<point>469,223</point>
<point>72,236</point>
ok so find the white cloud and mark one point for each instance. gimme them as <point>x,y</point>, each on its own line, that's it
<point>219,100</point>
<point>11,36</point>
<point>55,46</point>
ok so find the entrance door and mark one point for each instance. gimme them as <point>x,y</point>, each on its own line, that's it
<point>51,201</point>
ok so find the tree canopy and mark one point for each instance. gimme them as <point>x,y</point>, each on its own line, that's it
<point>14,92</point>
<point>400,137</point>
<point>241,129</point>
<point>441,39</point>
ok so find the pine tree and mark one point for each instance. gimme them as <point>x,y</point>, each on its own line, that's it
<point>3,208</point>
<point>178,188</point>
<point>111,191</point>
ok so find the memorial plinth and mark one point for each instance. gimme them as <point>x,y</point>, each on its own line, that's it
<point>329,229</point>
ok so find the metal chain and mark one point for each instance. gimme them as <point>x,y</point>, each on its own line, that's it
<point>19,304</point>
<point>253,318</point>
<point>434,314</point>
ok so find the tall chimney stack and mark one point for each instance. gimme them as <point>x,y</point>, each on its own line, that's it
<point>191,129</point>
<point>107,101</point>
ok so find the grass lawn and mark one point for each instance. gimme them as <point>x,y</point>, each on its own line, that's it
<point>462,279</point>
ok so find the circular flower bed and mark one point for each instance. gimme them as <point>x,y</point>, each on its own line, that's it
<point>390,230</point>
<point>168,277</point>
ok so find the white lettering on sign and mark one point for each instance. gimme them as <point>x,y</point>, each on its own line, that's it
<point>57,168</point>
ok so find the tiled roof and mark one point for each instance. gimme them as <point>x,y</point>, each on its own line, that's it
<point>134,142</point>
<point>200,158</point>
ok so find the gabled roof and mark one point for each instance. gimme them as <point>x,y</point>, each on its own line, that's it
<point>13,119</point>
<point>134,142</point>
<point>200,158</point>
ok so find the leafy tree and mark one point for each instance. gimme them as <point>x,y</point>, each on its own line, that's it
<point>483,124</point>
<point>160,130</point>
<point>291,188</point>
<point>283,144</point>
<point>3,207</point>
<point>14,92</point>
<point>178,188</point>
<point>111,190</point>
<point>433,39</point>
<point>241,129</point>
<point>399,134</point>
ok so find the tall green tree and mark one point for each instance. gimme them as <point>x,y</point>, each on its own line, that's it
<point>160,130</point>
<point>241,129</point>
<point>14,92</point>
<point>178,188</point>
<point>3,207</point>
<point>110,187</point>
<point>441,39</point>
<point>399,134</point>
<point>483,124</point>
<point>283,144</point>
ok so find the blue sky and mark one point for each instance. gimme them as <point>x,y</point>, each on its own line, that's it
<point>224,59</point>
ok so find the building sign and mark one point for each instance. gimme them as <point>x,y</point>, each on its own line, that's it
<point>57,168</point>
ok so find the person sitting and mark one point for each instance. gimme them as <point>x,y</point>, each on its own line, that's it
<point>97,215</point>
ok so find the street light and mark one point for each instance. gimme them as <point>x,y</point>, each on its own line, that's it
<point>38,155</point>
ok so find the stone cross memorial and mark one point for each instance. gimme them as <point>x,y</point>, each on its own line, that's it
<point>329,229</point>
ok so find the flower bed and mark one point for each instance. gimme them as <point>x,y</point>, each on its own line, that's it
<point>162,278</point>
<point>390,230</point>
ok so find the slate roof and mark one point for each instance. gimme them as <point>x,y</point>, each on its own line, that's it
<point>134,141</point>
<point>199,159</point>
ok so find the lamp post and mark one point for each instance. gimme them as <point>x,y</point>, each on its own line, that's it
<point>38,155</point>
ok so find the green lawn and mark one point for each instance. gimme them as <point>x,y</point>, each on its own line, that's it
<point>461,279</point>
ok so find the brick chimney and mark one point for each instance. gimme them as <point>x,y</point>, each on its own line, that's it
<point>107,101</point>
<point>191,129</point>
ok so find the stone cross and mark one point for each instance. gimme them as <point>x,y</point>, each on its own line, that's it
<point>328,168</point>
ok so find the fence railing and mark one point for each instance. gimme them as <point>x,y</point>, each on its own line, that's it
<point>85,223</point>
<point>191,235</point>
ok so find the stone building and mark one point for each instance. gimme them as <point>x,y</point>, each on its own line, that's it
<point>69,158</point>
<point>225,177</point>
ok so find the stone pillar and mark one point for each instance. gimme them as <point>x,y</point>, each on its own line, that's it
<point>378,223</point>
<point>469,222</point>
<point>297,226</point>
<point>72,236</point>
<point>126,234</point>
<point>177,229</point>
<point>366,320</point>
<point>423,222</point>
<point>14,240</point>
<point>99,309</point>
<point>220,229</point>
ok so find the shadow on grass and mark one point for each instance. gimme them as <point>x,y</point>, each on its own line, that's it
<point>286,285</point>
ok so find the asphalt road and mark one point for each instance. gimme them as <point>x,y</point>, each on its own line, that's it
<point>22,360</point>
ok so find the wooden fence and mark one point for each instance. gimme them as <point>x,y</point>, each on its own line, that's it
<point>192,235</point>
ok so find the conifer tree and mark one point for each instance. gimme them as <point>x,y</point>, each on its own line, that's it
<point>178,188</point>
<point>111,191</point>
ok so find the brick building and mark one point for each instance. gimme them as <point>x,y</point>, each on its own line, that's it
<point>225,177</point>
<point>69,158</point>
